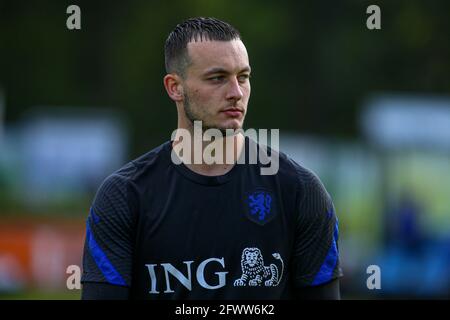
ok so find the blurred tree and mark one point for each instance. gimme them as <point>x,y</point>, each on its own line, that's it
<point>313,62</point>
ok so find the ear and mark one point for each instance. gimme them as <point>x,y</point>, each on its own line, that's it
<point>174,87</point>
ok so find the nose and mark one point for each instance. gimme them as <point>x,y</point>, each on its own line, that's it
<point>234,90</point>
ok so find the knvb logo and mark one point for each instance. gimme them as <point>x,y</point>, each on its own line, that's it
<point>253,273</point>
<point>260,206</point>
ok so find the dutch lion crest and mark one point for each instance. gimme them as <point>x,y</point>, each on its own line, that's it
<point>260,206</point>
<point>255,273</point>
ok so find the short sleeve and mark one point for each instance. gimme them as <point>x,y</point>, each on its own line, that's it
<point>108,248</point>
<point>316,252</point>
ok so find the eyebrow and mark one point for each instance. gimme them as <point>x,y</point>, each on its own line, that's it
<point>222,70</point>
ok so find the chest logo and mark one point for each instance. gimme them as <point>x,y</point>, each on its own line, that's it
<point>260,206</point>
<point>255,273</point>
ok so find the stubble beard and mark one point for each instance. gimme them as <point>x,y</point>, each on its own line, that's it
<point>192,116</point>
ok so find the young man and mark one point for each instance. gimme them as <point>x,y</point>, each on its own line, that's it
<point>197,230</point>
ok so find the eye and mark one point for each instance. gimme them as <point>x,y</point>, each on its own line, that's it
<point>243,77</point>
<point>217,78</point>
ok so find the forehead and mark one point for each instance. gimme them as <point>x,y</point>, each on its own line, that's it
<point>230,55</point>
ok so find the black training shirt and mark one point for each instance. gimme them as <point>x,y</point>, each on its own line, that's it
<point>166,232</point>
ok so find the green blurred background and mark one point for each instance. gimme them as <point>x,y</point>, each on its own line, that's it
<point>367,110</point>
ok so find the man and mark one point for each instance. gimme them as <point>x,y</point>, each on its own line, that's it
<point>222,230</point>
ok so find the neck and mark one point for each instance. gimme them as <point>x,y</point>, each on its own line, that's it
<point>211,158</point>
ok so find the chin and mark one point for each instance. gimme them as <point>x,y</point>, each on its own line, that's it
<point>235,125</point>
<point>232,127</point>
<point>223,127</point>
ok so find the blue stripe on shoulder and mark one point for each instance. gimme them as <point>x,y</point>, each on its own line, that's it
<point>94,216</point>
<point>325,273</point>
<point>102,261</point>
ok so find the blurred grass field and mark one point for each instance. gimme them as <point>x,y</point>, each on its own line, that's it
<point>36,294</point>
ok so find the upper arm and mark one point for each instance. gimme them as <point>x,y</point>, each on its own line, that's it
<point>327,291</point>
<point>103,291</point>
<point>108,248</point>
<point>316,255</point>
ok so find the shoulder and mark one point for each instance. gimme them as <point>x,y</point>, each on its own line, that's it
<point>151,158</point>
<point>313,201</point>
<point>292,176</point>
<point>303,181</point>
<point>295,173</point>
<point>117,183</point>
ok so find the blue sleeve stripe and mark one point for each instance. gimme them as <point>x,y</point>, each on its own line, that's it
<point>94,216</point>
<point>102,261</point>
<point>325,273</point>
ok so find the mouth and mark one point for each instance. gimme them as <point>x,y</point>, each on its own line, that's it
<point>233,112</point>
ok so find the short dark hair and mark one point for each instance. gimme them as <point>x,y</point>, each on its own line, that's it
<point>194,29</point>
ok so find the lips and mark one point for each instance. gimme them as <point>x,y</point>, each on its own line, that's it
<point>233,112</point>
